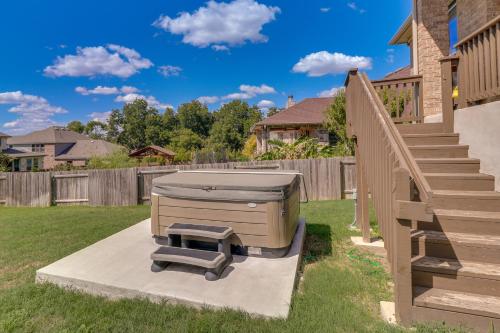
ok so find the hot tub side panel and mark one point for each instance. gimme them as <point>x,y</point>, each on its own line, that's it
<point>283,219</point>
<point>256,225</point>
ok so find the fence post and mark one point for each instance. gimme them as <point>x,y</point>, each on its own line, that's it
<point>362,213</point>
<point>403,293</point>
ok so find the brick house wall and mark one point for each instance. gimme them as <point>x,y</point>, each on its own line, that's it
<point>49,161</point>
<point>472,14</point>
<point>433,43</point>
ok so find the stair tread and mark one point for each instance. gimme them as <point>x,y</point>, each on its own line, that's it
<point>473,214</point>
<point>209,231</point>
<point>437,160</point>
<point>437,146</point>
<point>464,239</point>
<point>425,135</point>
<point>456,267</point>
<point>201,258</point>
<point>460,175</point>
<point>465,194</point>
<point>481,305</point>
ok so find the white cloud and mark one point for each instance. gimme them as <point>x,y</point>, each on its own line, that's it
<point>208,99</point>
<point>330,92</point>
<point>151,100</point>
<point>100,116</point>
<point>231,23</point>
<point>390,56</point>
<point>34,112</point>
<point>100,90</point>
<point>355,7</point>
<point>129,90</point>
<point>325,9</point>
<point>112,59</point>
<point>323,63</point>
<point>248,91</point>
<point>265,104</point>
<point>168,70</point>
<point>220,48</point>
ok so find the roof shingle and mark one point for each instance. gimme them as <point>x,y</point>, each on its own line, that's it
<point>51,135</point>
<point>87,148</point>
<point>311,111</point>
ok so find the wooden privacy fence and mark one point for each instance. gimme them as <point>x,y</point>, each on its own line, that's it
<point>479,67</point>
<point>324,179</point>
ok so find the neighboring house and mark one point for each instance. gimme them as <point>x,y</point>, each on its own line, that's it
<point>305,118</point>
<point>45,149</point>
<point>154,152</point>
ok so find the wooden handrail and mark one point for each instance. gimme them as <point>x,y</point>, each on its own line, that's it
<point>479,64</point>
<point>478,31</point>
<point>405,90</point>
<point>389,170</point>
<point>404,154</point>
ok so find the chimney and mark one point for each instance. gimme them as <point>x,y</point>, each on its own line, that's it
<point>290,102</point>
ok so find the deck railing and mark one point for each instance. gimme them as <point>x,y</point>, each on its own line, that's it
<point>479,65</point>
<point>402,98</point>
<point>400,193</point>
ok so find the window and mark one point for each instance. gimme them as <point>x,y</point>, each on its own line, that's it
<point>36,166</point>
<point>29,164</point>
<point>38,148</point>
<point>16,165</point>
<point>453,25</point>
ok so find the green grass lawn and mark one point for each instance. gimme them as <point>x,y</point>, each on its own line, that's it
<point>339,290</point>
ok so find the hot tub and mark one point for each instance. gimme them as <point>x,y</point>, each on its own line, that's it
<point>261,207</point>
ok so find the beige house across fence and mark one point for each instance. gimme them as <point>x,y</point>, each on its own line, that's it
<point>305,118</point>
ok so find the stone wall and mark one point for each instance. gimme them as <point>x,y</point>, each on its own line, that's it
<point>433,44</point>
<point>472,14</point>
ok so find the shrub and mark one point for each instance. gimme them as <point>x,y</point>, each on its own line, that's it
<point>118,159</point>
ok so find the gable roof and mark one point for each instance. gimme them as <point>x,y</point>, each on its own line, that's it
<point>3,135</point>
<point>400,73</point>
<point>87,148</point>
<point>161,150</point>
<point>49,135</point>
<point>404,34</point>
<point>310,111</point>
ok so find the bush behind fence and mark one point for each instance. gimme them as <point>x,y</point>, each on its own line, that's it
<point>324,179</point>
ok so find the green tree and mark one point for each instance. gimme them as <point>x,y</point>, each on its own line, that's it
<point>76,126</point>
<point>184,142</point>
<point>95,129</point>
<point>5,161</point>
<point>336,124</point>
<point>115,123</point>
<point>196,117</point>
<point>272,111</point>
<point>232,125</point>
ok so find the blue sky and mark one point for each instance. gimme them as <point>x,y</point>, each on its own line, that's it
<point>76,60</point>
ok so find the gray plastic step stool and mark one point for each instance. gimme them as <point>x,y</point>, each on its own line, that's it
<point>213,262</point>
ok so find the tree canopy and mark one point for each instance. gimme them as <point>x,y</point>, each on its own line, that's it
<point>232,125</point>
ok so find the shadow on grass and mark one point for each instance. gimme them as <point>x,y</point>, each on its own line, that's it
<point>318,242</point>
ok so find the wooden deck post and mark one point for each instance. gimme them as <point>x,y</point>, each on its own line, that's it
<point>403,293</point>
<point>362,213</point>
<point>447,92</point>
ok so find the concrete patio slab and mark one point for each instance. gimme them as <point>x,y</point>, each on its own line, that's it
<point>119,267</point>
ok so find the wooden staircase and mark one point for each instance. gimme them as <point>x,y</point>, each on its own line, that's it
<point>456,258</point>
<point>438,214</point>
